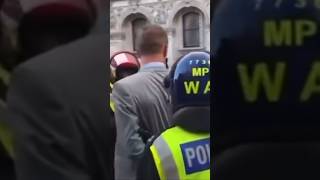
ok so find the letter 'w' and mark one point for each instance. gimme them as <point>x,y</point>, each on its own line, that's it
<point>261,78</point>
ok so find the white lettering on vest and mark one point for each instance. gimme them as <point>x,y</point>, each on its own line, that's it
<point>201,155</point>
<point>208,150</point>
<point>190,155</point>
<point>196,155</point>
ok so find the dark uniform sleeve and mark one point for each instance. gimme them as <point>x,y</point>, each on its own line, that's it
<point>147,169</point>
<point>6,165</point>
<point>48,146</point>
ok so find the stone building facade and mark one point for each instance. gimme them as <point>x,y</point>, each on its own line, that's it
<point>186,21</point>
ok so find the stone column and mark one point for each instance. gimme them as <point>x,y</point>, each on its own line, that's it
<point>171,47</point>
<point>207,37</point>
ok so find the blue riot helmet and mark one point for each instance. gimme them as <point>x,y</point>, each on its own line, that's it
<point>189,83</point>
<point>266,69</point>
<point>266,89</point>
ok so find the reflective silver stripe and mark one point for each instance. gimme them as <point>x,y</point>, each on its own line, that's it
<point>167,160</point>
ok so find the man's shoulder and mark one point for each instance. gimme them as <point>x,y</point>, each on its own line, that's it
<point>81,54</point>
<point>141,78</point>
<point>126,84</point>
<point>133,79</point>
<point>139,83</point>
<point>77,69</point>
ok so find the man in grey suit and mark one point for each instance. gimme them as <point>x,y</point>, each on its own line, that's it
<point>142,103</point>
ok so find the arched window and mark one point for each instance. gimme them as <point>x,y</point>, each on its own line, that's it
<point>191,29</point>
<point>137,27</point>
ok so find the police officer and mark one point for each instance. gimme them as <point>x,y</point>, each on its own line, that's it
<point>122,64</point>
<point>183,151</point>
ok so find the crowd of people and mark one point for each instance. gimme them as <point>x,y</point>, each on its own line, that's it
<point>54,122</point>
<point>159,109</point>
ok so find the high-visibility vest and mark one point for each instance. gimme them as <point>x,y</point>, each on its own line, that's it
<point>182,155</point>
<point>6,133</point>
<point>6,139</point>
<point>112,104</point>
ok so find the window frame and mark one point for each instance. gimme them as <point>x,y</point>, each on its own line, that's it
<point>179,29</point>
<point>133,31</point>
<point>185,29</point>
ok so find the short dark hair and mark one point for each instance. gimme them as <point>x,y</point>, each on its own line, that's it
<point>152,40</point>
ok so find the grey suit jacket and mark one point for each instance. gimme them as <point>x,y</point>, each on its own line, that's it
<point>141,102</point>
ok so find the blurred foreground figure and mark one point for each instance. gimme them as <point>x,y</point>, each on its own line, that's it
<point>49,23</point>
<point>57,108</point>
<point>6,153</point>
<point>266,93</point>
<point>142,103</point>
<point>182,152</point>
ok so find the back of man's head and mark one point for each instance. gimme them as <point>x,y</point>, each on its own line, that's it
<point>154,40</point>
